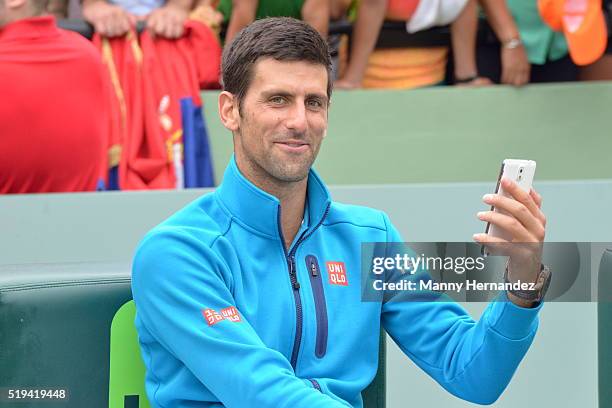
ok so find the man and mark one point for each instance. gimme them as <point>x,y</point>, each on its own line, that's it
<point>235,302</point>
<point>52,116</point>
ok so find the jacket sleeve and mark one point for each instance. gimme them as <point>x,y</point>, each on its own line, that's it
<point>175,279</point>
<point>472,360</point>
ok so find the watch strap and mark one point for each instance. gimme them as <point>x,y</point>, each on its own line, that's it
<point>541,285</point>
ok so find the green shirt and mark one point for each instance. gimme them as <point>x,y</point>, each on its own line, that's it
<point>267,8</point>
<point>542,43</point>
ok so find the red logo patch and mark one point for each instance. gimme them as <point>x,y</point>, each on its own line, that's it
<point>336,273</point>
<point>229,313</point>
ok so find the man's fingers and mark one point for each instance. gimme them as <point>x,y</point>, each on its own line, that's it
<point>518,211</point>
<point>496,245</point>
<point>537,198</point>
<point>521,196</point>
<point>522,207</point>
<point>488,239</point>
<point>508,224</point>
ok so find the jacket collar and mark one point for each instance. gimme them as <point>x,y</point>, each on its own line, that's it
<point>260,210</point>
<point>29,28</point>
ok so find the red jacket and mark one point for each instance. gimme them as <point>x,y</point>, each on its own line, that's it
<point>52,114</point>
<point>150,76</point>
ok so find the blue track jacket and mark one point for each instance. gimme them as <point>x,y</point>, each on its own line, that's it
<point>228,317</point>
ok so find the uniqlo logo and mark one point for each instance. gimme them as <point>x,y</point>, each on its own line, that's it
<point>211,316</point>
<point>336,273</point>
<point>231,314</point>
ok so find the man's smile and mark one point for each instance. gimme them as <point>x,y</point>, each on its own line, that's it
<point>293,146</point>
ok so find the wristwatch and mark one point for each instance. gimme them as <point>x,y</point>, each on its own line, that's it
<point>541,285</point>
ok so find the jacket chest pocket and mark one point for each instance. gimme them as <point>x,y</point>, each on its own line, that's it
<point>316,282</point>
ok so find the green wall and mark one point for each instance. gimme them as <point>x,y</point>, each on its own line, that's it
<point>447,134</point>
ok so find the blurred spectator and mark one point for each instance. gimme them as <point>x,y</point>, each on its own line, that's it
<point>425,66</point>
<point>205,11</point>
<point>58,8</point>
<point>114,18</point>
<point>240,13</point>
<point>585,26</point>
<point>52,115</point>
<point>547,50</point>
<point>601,70</point>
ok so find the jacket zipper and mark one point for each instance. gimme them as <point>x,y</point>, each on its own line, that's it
<point>315,384</point>
<point>320,306</point>
<point>295,284</point>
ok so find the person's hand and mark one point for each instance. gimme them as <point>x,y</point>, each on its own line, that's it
<point>344,83</point>
<point>476,82</point>
<point>525,222</point>
<point>167,21</point>
<point>108,20</point>
<point>515,66</point>
<point>208,15</point>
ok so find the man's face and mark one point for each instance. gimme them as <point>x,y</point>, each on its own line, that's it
<point>282,122</point>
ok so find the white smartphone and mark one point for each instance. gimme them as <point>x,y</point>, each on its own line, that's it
<point>522,173</point>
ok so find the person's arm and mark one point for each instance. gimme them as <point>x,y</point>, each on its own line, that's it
<point>109,20</point>
<point>178,284</point>
<point>370,18</point>
<point>243,14</point>
<point>463,40</point>
<point>316,13</point>
<point>168,21</point>
<point>515,64</point>
<point>472,360</point>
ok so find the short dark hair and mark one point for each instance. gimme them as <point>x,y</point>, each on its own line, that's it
<point>281,38</point>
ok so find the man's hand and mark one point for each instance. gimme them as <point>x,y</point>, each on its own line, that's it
<point>108,20</point>
<point>167,21</point>
<point>515,66</point>
<point>526,223</point>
